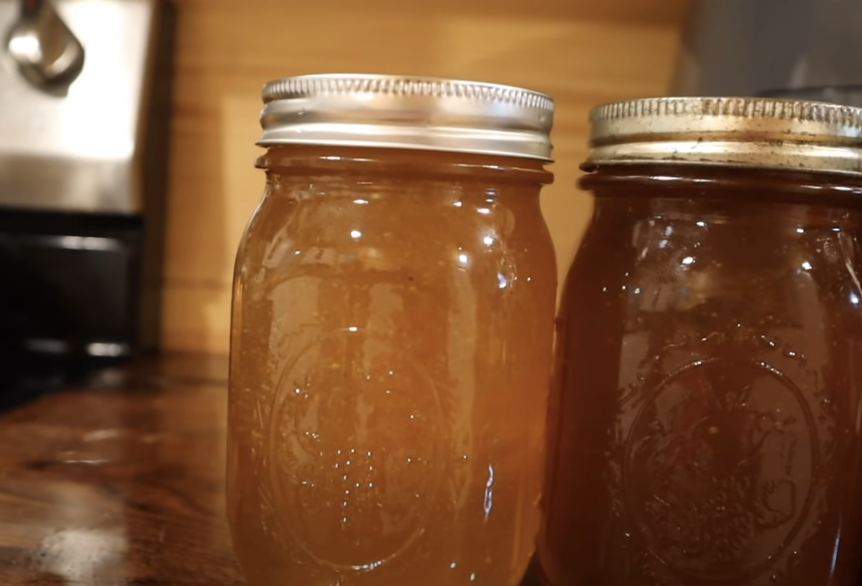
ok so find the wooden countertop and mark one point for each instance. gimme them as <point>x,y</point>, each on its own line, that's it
<point>119,483</point>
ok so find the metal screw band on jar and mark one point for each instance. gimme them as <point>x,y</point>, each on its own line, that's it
<point>740,132</point>
<point>408,112</point>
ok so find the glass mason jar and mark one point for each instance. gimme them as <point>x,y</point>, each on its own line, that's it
<point>706,400</point>
<point>392,335</point>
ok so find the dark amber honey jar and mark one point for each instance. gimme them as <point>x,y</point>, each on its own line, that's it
<point>706,417</point>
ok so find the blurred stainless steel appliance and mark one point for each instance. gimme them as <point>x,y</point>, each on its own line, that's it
<point>46,51</point>
<point>84,115</point>
<point>807,49</point>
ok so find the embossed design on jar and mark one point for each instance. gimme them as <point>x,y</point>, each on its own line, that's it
<point>719,466</point>
<point>355,445</point>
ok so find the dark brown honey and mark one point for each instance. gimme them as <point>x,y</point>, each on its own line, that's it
<point>706,415</point>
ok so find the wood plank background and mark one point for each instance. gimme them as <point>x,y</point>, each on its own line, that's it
<point>582,52</point>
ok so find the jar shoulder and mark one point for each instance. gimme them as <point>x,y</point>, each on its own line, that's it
<point>357,237</point>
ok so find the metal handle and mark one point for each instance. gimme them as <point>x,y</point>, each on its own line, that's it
<point>47,52</point>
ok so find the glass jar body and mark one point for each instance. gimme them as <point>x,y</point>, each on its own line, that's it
<point>390,355</point>
<point>706,402</point>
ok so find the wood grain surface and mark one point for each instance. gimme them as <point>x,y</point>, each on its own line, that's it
<point>581,52</point>
<point>119,483</point>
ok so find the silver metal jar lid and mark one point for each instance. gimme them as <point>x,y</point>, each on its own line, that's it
<point>737,132</point>
<point>407,112</point>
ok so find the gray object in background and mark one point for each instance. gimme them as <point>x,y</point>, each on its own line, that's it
<point>83,179</point>
<point>807,49</point>
<point>81,151</point>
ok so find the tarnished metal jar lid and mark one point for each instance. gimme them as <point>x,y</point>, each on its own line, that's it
<point>737,132</point>
<point>407,112</point>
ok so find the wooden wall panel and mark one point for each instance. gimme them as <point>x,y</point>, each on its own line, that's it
<point>581,52</point>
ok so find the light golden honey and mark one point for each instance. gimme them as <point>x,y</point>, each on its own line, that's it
<point>391,348</point>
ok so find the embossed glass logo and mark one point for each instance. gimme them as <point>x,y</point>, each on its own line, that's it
<point>354,444</point>
<point>718,467</point>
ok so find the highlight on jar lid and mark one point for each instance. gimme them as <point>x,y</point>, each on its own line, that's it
<point>409,112</point>
<point>737,132</point>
